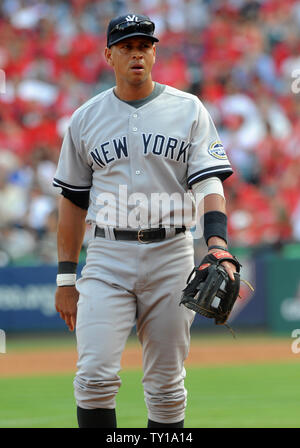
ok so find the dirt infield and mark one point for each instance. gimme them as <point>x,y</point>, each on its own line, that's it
<point>231,352</point>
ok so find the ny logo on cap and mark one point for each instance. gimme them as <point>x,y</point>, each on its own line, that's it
<point>132,18</point>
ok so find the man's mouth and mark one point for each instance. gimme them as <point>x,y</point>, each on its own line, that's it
<point>137,67</point>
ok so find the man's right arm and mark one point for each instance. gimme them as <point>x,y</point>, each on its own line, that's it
<point>70,234</point>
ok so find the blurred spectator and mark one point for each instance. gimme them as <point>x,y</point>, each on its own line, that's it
<point>16,244</point>
<point>47,247</point>
<point>39,208</point>
<point>239,56</point>
<point>13,198</point>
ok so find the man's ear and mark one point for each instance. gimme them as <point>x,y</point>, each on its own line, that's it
<point>107,54</point>
<point>154,51</point>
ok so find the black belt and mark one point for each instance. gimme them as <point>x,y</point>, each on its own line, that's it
<point>142,235</point>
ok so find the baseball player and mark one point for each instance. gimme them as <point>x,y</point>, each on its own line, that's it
<point>124,150</point>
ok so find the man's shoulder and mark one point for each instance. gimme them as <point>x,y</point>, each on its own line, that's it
<point>91,103</point>
<point>181,94</point>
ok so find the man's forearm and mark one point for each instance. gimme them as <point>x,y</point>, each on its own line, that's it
<point>216,241</point>
<point>70,230</point>
<point>215,202</point>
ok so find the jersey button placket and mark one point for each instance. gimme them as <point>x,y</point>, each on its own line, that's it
<point>134,122</point>
<point>135,143</point>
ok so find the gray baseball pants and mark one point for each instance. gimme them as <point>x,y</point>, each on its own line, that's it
<point>126,283</point>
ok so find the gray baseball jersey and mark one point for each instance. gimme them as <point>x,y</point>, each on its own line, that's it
<point>124,153</point>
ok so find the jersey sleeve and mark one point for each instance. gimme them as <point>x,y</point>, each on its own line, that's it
<point>73,170</point>
<point>207,156</point>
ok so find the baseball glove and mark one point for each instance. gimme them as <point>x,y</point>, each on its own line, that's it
<point>211,292</point>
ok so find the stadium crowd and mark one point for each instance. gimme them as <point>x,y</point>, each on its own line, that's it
<point>241,57</point>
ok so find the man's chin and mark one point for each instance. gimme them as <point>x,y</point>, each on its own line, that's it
<point>138,80</point>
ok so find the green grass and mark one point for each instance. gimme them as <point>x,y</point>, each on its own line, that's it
<point>40,341</point>
<point>66,339</point>
<point>37,402</point>
<point>253,396</point>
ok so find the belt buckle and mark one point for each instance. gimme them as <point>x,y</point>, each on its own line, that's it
<point>140,236</point>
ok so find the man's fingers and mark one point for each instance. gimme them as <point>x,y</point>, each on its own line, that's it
<point>231,275</point>
<point>230,272</point>
<point>230,269</point>
<point>66,318</point>
<point>69,319</point>
<point>66,305</point>
<point>73,322</point>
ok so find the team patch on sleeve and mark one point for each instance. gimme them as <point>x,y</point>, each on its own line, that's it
<point>216,150</point>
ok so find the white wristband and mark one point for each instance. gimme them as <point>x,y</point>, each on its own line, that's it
<point>66,279</point>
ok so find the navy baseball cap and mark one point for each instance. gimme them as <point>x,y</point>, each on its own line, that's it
<point>130,25</point>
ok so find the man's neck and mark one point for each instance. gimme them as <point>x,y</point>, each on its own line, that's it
<point>132,93</point>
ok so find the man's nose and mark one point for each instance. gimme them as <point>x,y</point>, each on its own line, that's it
<point>137,56</point>
<point>137,52</point>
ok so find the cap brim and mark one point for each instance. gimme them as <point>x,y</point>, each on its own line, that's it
<point>154,39</point>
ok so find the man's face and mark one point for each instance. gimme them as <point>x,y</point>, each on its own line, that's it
<point>132,59</point>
